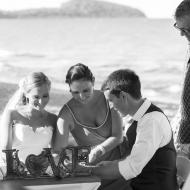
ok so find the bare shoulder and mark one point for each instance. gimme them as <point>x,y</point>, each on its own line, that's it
<point>65,117</point>
<point>11,113</point>
<point>64,112</point>
<point>10,116</point>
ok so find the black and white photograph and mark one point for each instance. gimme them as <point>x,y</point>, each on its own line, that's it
<point>94,94</point>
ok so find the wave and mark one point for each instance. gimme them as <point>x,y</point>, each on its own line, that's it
<point>29,55</point>
<point>5,53</point>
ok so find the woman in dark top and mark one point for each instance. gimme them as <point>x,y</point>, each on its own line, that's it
<point>89,118</point>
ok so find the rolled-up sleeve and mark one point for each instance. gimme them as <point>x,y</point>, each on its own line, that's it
<point>150,135</point>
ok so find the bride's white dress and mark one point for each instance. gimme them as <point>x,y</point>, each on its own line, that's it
<point>28,141</point>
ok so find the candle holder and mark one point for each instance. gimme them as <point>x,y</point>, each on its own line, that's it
<point>71,157</point>
<point>44,166</point>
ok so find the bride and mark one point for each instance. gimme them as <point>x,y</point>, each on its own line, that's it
<point>25,124</point>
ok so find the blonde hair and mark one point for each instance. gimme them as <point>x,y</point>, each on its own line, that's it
<point>35,79</point>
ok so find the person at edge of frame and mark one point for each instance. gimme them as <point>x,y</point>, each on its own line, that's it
<point>181,122</point>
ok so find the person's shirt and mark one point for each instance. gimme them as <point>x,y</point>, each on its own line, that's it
<point>187,183</point>
<point>153,132</point>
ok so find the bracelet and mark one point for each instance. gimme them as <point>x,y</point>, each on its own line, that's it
<point>100,147</point>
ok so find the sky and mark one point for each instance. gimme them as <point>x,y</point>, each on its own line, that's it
<point>152,8</point>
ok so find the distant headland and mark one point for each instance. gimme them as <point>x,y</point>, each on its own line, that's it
<point>77,8</point>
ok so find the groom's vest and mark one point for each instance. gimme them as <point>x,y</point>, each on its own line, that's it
<point>160,172</point>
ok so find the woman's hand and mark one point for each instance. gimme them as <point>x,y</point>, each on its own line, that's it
<point>96,152</point>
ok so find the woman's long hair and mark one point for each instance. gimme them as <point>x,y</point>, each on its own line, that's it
<point>26,84</point>
<point>35,79</point>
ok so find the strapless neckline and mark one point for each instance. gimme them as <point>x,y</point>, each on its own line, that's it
<point>28,141</point>
<point>36,129</point>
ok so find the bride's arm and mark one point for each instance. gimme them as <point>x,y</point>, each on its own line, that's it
<point>6,130</point>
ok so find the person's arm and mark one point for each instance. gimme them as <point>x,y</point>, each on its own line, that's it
<point>111,142</point>
<point>153,132</point>
<point>187,183</point>
<point>117,132</point>
<point>62,130</point>
<point>150,135</point>
<point>6,131</point>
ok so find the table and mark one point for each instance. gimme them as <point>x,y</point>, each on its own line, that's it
<point>71,183</point>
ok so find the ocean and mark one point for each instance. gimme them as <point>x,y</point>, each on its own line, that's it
<point>151,47</point>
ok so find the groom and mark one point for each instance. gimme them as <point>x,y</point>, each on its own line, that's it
<point>151,164</point>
